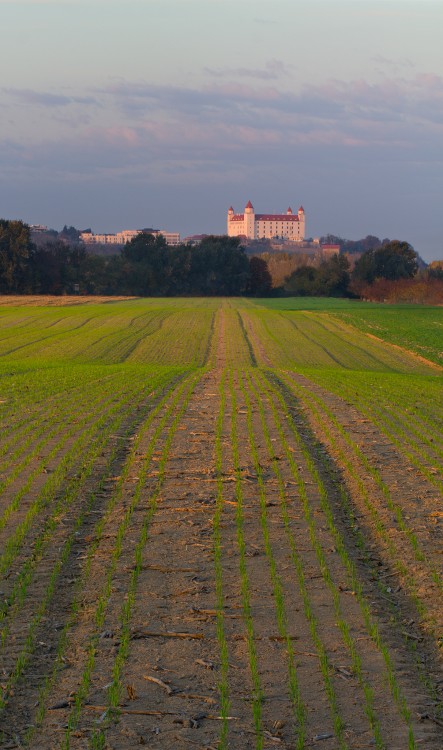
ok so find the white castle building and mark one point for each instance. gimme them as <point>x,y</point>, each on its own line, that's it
<point>267,226</point>
<point>121,238</point>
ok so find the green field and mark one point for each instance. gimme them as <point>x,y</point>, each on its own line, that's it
<point>415,327</point>
<point>221,524</point>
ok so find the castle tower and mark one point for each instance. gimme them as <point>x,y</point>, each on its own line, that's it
<point>230,215</point>
<point>301,222</point>
<point>249,221</point>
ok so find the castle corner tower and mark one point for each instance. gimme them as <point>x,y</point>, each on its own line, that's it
<point>301,222</point>
<point>249,225</point>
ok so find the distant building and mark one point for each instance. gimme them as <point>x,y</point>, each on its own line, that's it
<point>330,249</point>
<point>122,238</point>
<point>254,226</point>
<point>172,238</point>
<point>38,228</point>
<point>195,239</point>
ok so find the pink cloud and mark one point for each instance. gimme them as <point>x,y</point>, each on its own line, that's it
<point>126,135</point>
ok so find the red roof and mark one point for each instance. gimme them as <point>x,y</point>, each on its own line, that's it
<point>276,217</point>
<point>267,217</point>
<point>301,209</point>
<point>289,211</point>
<point>230,208</point>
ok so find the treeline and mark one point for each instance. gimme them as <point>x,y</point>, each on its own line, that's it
<point>330,278</point>
<point>390,272</point>
<point>218,266</point>
<point>351,247</point>
<point>424,289</point>
<point>146,266</point>
<point>334,278</point>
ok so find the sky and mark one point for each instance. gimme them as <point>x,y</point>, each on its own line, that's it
<point>163,113</point>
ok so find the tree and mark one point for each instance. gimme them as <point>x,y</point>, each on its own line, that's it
<point>370,242</point>
<point>333,276</point>
<point>303,282</point>
<point>145,264</point>
<point>219,266</point>
<point>330,279</point>
<point>49,268</point>
<point>144,247</point>
<point>393,260</point>
<point>58,268</point>
<point>69,234</point>
<point>435,270</point>
<point>16,250</point>
<point>260,281</point>
<point>216,266</point>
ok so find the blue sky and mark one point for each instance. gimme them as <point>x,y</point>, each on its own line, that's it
<point>163,113</point>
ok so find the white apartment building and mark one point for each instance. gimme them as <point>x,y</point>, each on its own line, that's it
<point>266,226</point>
<point>38,228</point>
<point>121,238</point>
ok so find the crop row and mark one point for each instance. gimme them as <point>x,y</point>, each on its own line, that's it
<point>237,346</point>
<point>94,441</point>
<point>44,440</point>
<point>316,340</point>
<point>416,328</point>
<point>259,394</point>
<point>407,411</point>
<point>168,410</point>
<point>377,499</point>
<point>261,390</point>
<point>164,429</point>
<point>417,561</point>
<point>151,333</point>
<point>275,398</point>
<point>28,398</point>
<point>72,429</point>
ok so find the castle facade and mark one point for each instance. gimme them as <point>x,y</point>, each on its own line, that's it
<point>254,226</point>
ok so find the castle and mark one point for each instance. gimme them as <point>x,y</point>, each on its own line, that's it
<point>267,226</point>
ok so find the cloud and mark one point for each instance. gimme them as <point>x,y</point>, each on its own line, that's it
<point>356,107</point>
<point>392,63</point>
<point>46,98</point>
<point>159,134</point>
<point>273,70</point>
